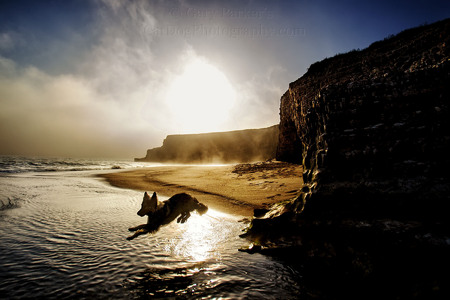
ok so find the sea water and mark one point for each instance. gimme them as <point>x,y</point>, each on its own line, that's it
<point>63,235</point>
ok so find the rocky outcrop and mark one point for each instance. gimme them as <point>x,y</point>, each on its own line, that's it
<point>371,129</point>
<point>217,147</point>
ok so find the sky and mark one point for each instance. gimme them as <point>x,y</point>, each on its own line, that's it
<point>111,78</point>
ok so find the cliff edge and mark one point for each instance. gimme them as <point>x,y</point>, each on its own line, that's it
<point>217,147</point>
<point>371,129</point>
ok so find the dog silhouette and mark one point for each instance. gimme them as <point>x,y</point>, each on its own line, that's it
<point>162,213</point>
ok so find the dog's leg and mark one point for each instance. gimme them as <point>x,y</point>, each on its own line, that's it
<point>180,217</point>
<point>137,233</point>
<point>137,227</point>
<point>186,217</point>
<point>183,218</point>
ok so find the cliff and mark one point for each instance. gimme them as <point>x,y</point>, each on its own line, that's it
<point>371,129</point>
<point>217,147</point>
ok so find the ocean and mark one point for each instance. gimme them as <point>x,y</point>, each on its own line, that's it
<point>63,236</point>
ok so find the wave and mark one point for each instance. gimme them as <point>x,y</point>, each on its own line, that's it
<point>16,164</point>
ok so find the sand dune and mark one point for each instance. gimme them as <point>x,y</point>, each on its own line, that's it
<point>236,189</point>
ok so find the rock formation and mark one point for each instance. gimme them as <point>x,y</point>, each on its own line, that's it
<point>371,129</point>
<point>217,147</point>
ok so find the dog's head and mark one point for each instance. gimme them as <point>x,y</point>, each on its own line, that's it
<point>201,208</point>
<point>148,204</point>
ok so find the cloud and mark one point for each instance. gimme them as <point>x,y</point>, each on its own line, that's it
<point>142,58</point>
<point>7,67</point>
<point>114,102</point>
<point>259,99</point>
<point>60,115</point>
<point>6,41</point>
<point>96,110</point>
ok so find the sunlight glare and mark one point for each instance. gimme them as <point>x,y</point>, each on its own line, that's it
<point>204,236</point>
<point>200,99</point>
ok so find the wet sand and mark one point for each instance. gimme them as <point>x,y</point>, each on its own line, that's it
<point>235,189</point>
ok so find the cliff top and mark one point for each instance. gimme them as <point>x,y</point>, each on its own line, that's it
<point>221,133</point>
<point>408,51</point>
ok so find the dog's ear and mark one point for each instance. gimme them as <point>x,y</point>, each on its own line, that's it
<point>154,201</point>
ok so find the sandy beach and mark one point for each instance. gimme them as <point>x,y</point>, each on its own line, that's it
<point>236,189</point>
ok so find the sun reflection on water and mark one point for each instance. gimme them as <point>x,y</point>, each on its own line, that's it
<point>202,237</point>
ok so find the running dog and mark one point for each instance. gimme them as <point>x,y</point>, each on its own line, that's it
<point>162,213</point>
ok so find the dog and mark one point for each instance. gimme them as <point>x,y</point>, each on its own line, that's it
<point>162,213</point>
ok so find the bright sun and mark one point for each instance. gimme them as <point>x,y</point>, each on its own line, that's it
<point>200,98</point>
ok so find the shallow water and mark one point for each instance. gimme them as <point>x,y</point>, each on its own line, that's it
<point>63,236</point>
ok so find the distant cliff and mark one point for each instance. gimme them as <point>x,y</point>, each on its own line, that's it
<point>372,130</point>
<point>217,147</point>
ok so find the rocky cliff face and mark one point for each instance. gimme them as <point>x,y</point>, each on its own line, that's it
<point>371,129</point>
<point>374,121</point>
<point>218,147</point>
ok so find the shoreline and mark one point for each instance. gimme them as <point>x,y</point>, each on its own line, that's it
<point>235,189</point>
